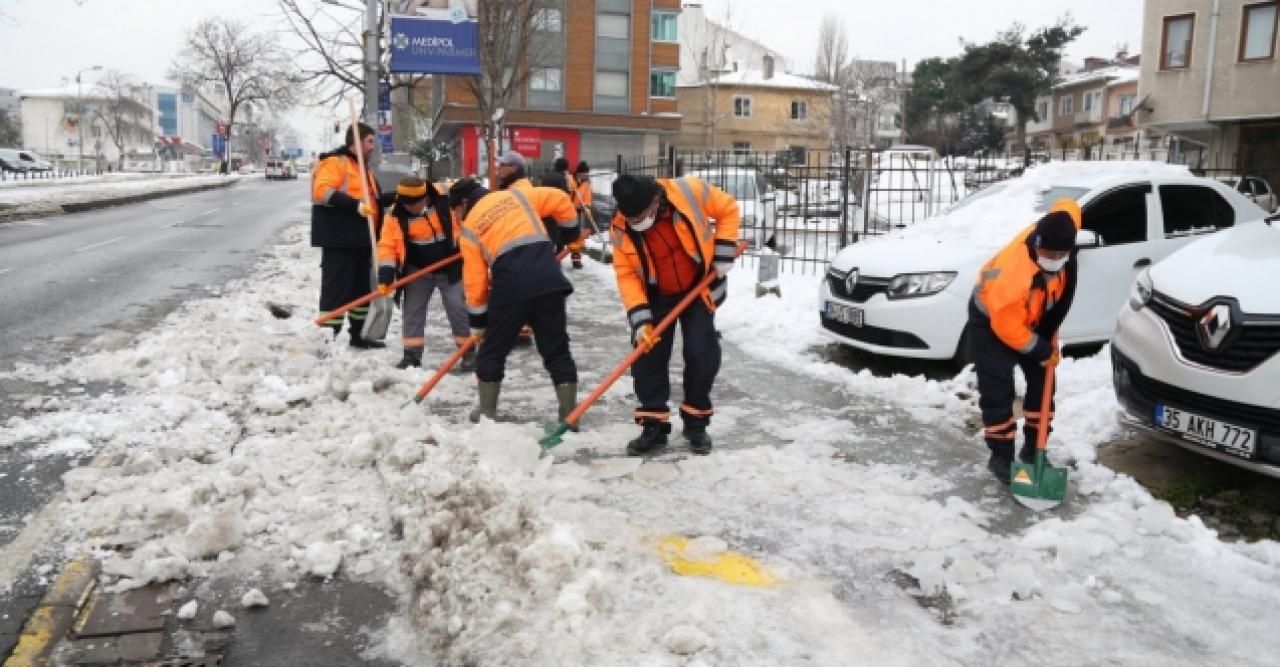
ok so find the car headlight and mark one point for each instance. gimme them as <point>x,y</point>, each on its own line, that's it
<point>906,285</point>
<point>1140,293</point>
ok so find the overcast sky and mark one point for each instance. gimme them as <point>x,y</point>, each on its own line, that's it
<point>45,40</point>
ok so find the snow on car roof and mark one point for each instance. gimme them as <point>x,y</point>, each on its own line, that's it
<point>991,221</point>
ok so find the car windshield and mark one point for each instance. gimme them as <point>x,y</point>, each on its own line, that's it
<point>980,194</point>
<point>740,184</point>
<point>1057,192</point>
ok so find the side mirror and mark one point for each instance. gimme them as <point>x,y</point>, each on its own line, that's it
<point>1088,239</point>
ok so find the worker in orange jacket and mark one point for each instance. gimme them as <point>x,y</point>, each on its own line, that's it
<point>581,184</point>
<point>417,233</point>
<point>511,277</point>
<point>667,235</point>
<point>1021,298</point>
<point>340,227</point>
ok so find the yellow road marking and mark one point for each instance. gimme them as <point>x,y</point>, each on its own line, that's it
<point>729,567</point>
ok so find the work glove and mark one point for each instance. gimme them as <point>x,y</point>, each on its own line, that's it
<point>1053,359</point>
<point>364,210</point>
<point>384,289</point>
<point>386,275</point>
<point>645,338</point>
<point>478,334</point>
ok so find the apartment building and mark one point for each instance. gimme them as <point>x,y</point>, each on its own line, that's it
<point>606,87</point>
<point>55,121</point>
<point>1080,103</point>
<point>1212,81</point>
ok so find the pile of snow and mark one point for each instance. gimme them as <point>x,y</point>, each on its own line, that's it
<point>76,192</point>
<point>270,442</point>
<point>114,177</point>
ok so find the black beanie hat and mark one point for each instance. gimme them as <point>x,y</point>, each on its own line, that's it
<point>582,168</point>
<point>561,164</point>
<point>634,193</point>
<point>556,179</point>
<point>1055,231</point>
<point>466,190</point>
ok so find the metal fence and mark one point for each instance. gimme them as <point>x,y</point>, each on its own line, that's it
<point>806,205</point>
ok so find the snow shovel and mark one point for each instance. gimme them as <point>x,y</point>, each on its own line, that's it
<point>379,316</point>
<point>444,369</point>
<point>339,312</point>
<point>554,433</point>
<point>1038,485</point>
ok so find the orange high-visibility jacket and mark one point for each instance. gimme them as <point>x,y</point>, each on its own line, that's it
<point>584,191</point>
<point>706,222</point>
<point>506,223</point>
<point>1013,294</point>
<point>336,192</point>
<point>429,240</point>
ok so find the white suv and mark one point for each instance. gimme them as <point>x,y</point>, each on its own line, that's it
<point>1196,354</point>
<point>908,295</point>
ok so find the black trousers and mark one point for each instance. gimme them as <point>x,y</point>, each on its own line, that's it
<point>701,345</point>
<point>546,315</point>
<point>345,275</point>
<point>994,362</point>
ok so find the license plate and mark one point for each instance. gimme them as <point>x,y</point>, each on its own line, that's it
<point>846,314</point>
<point>1232,439</point>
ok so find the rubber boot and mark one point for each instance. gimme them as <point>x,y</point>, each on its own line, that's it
<point>1028,453</point>
<point>412,359</point>
<point>488,401</point>
<point>1001,460</point>
<point>699,441</point>
<point>567,400</point>
<point>653,437</point>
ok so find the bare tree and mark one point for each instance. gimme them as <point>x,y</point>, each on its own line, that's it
<point>121,108</point>
<point>707,43</point>
<point>832,65</point>
<point>246,67</point>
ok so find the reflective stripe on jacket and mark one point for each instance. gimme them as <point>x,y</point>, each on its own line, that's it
<point>707,225</point>
<point>504,223</point>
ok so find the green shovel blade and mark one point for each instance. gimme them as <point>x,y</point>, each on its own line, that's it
<point>1037,485</point>
<point>552,437</point>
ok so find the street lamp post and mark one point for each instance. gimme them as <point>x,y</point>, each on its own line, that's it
<point>80,111</point>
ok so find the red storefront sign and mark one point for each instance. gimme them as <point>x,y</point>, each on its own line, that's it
<point>527,141</point>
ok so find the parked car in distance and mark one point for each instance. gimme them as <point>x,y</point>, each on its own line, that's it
<point>1256,189</point>
<point>908,296</point>
<point>34,162</point>
<point>754,204</point>
<point>279,170</point>
<point>11,160</point>
<point>1196,353</point>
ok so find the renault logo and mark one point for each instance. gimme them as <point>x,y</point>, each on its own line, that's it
<point>1214,326</point>
<point>851,280</point>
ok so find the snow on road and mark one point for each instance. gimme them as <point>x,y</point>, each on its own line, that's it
<point>75,190</point>
<point>234,433</point>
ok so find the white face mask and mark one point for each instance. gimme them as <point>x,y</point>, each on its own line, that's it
<point>1051,265</point>
<point>643,224</point>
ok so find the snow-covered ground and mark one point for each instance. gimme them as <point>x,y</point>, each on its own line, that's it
<point>115,177</point>
<point>92,188</point>
<point>244,446</point>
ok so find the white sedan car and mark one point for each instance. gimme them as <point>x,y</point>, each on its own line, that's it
<point>1196,354</point>
<point>908,295</point>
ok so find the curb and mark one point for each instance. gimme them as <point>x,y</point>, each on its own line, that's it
<point>55,614</point>
<point>79,207</point>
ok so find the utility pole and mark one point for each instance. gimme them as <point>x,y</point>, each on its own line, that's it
<point>372,38</point>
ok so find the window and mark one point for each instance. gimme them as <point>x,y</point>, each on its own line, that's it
<point>1175,52</point>
<point>1093,101</point>
<point>1042,111</point>
<point>611,84</point>
<point>799,110</point>
<point>1119,216</point>
<point>662,83</point>
<point>742,107</point>
<point>1193,209</point>
<point>664,26</point>
<point>547,20</point>
<point>1258,31</point>
<point>545,79</point>
<point>1065,105</point>
<point>742,147</point>
<point>1126,104</point>
<point>617,26</point>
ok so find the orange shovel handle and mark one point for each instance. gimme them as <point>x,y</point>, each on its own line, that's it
<point>339,312</point>
<point>444,369</point>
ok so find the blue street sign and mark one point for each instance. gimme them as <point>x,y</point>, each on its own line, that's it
<point>432,46</point>
<point>219,144</point>
<point>384,96</point>
<point>387,145</point>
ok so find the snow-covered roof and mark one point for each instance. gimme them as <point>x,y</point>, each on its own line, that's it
<point>56,92</point>
<point>1118,73</point>
<point>756,79</point>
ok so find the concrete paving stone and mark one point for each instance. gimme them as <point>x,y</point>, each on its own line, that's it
<point>130,648</point>
<point>140,610</point>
